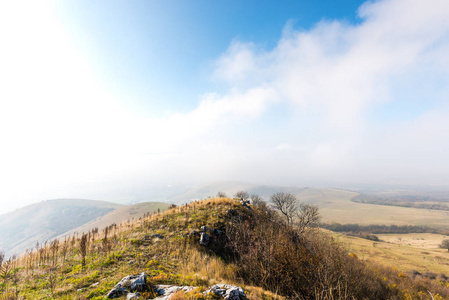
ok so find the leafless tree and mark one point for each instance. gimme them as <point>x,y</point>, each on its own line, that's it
<point>64,249</point>
<point>241,195</point>
<point>306,216</point>
<point>221,195</point>
<point>54,246</point>
<point>286,203</point>
<point>257,200</point>
<point>83,249</point>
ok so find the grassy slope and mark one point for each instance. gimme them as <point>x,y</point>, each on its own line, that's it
<point>166,261</point>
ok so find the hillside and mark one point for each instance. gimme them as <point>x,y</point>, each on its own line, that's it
<point>22,228</point>
<point>119,215</point>
<point>209,246</point>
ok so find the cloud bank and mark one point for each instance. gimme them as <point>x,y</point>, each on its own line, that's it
<point>365,102</point>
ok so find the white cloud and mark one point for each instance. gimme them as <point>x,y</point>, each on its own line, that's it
<point>302,112</point>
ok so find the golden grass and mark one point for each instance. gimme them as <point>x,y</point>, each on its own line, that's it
<point>404,252</point>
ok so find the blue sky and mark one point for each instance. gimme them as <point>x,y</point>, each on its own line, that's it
<point>100,96</point>
<point>160,54</point>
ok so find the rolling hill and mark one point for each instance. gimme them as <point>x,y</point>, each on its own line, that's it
<point>39,222</point>
<point>119,215</point>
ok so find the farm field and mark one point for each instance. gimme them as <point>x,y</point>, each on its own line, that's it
<point>404,252</point>
<point>336,206</point>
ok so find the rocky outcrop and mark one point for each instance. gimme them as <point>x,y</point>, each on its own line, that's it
<point>165,291</point>
<point>204,239</point>
<point>132,296</point>
<point>226,291</point>
<point>130,283</point>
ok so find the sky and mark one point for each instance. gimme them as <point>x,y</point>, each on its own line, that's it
<point>105,96</point>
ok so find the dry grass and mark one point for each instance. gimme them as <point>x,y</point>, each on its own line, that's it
<point>336,206</point>
<point>405,252</point>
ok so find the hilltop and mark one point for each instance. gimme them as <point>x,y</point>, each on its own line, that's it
<point>198,245</point>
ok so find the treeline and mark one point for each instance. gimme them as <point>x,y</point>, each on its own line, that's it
<point>377,229</point>
<point>404,201</point>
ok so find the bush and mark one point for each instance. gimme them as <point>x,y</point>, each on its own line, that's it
<point>445,244</point>
<point>273,255</point>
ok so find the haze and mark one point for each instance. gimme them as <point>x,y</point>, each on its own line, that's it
<point>97,97</point>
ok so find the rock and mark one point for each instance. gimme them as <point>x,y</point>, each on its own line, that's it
<point>132,296</point>
<point>165,291</point>
<point>131,282</point>
<point>116,292</point>
<point>246,204</point>
<point>226,291</point>
<point>95,284</point>
<point>139,283</point>
<point>204,239</point>
<point>157,235</point>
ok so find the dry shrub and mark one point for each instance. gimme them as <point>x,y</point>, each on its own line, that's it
<point>271,254</point>
<point>205,266</point>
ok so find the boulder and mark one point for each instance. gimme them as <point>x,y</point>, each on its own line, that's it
<point>226,291</point>
<point>132,296</point>
<point>165,291</point>
<point>131,283</point>
<point>204,239</point>
<point>116,292</point>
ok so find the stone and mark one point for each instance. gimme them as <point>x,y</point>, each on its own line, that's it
<point>132,296</point>
<point>139,283</point>
<point>204,239</point>
<point>165,291</point>
<point>131,283</point>
<point>116,292</point>
<point>226,291</point>
<point>157,235</point>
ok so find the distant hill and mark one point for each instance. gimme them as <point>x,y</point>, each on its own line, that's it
<point>22,228</point>
<point>335,204</point>
<point>119,215</point>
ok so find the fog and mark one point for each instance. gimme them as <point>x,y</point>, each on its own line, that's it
<point>335,105</point>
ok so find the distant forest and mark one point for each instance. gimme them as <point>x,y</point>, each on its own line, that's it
<point>422,202</point>
<point>356,229</point>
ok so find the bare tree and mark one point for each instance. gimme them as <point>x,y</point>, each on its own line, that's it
<point>83,249</point>
<point>54,246</point>
<point>257,200</point>
<point>286,203</point>
<point>221,195</point>
<point>243,195</point>
<point>306,216</point>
